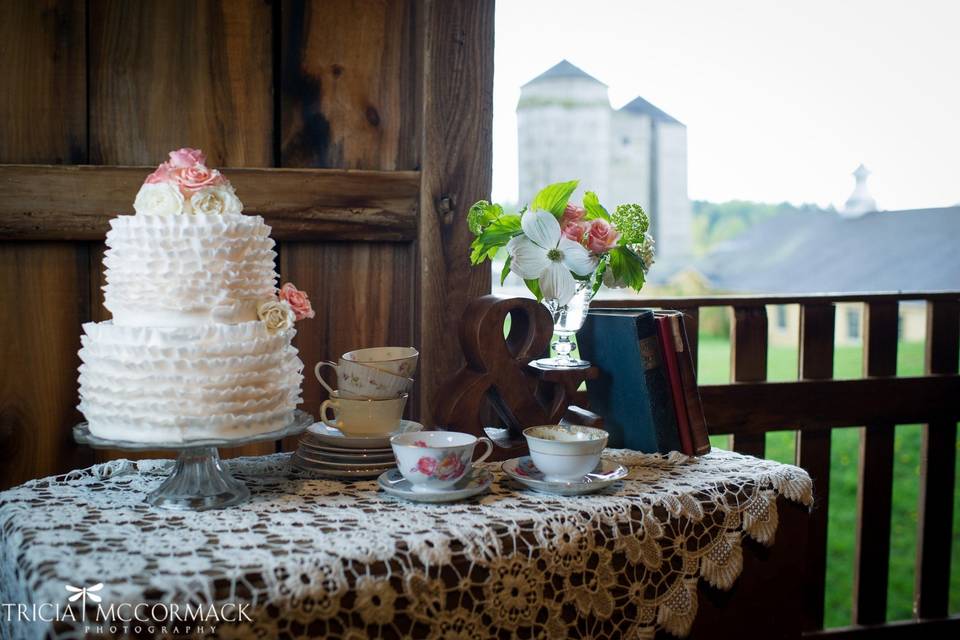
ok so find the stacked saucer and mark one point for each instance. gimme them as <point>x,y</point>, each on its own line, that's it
<point>326,451</point>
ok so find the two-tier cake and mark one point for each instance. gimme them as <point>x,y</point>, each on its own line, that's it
<point>199,344</point>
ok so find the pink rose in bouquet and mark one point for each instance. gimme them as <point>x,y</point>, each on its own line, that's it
<point>186,157</point>
<point>298,301</point>
<point>601,236</point>
<point>572,213</point>
<point>575,230</point>
<point>198,176</point>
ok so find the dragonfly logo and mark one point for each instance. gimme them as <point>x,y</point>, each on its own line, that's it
<point>82,593</point>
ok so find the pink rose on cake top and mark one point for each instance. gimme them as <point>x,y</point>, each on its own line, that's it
<point>199,341</point>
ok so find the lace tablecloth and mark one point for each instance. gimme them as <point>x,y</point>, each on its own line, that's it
<point>322,558</point>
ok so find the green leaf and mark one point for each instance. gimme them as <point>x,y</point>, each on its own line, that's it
<point>481,214</point>
<point>497,234</point>
<point>627,267</point>
<point>534,287</point>
<point>554,197</point>
<point>506,270</point>
<point>594,209</point>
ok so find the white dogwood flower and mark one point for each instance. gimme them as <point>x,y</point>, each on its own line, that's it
<point>544,254</point>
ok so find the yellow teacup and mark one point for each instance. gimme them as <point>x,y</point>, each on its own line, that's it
<point>363,416</point>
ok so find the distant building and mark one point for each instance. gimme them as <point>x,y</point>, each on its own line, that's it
<point>869,251</point>
<point>638,153</point>
<point>860,201</point>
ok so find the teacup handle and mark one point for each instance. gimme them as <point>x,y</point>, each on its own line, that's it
<point>321,365</point>
<point>328,404</point>
<point>486,441</point>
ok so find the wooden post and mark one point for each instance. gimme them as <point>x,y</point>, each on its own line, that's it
<point>457,77</point>
<point>875,485</point>
<point>748,363</point>
<point>937,455</point>
<point>813,454</point>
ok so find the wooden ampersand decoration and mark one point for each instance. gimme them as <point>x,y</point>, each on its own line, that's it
<point>497,380</point>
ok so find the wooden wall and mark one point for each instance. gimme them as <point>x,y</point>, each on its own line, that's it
<point>360,129</point>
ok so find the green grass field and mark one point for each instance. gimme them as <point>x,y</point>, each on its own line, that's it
<point>782,365</point>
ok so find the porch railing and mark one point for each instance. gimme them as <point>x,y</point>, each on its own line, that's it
<point>749,407</point>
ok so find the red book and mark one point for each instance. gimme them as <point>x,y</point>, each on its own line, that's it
<point>669,347</point>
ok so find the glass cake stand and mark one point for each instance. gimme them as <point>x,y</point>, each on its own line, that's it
<point>198,481</point>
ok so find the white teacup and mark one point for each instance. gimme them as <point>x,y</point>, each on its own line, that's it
<point>436,460</point>
<point>363,417</point>
<point>356,380</point>
<point>400,361</point>
<point>565,453</point>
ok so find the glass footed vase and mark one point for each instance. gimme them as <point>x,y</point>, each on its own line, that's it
<point>567,320</point>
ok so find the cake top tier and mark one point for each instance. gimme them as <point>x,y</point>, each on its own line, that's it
<point>184,185</point>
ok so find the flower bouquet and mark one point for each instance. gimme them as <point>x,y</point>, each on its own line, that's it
<point>564,253</point>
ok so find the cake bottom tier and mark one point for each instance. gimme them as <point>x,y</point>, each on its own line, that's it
<point>171,385</point>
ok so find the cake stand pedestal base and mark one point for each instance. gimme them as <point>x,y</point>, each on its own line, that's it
<point>198,482</point>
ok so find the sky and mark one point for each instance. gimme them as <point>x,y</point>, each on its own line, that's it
<point>782,99</point>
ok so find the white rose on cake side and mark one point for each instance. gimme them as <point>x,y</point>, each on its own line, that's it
<point>219,200</point>
<point>159,199</point>
<point>277,315</point>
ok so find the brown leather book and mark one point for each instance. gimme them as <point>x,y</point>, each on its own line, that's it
<point>688,376</point>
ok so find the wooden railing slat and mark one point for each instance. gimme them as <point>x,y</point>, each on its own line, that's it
<point>813,454</point>
<point>748,363</point>
<point>937,456</point>
<point>758,407</point>
<point>875,485</point>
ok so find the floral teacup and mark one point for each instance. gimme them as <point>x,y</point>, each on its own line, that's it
<point>356,380</point>
<point>436,460</point>
<point>400,361</point>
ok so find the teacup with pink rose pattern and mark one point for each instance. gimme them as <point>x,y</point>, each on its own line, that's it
<point>436,460</point>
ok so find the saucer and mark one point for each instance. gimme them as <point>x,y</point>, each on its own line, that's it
<point>330,436</point>
<point>325,471</point>
<point>346,455</point>
<point>526,473</point>
<point>339,464</point>
<point>393,482</point>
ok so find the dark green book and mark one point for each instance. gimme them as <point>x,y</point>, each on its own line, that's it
<point>632,392</point>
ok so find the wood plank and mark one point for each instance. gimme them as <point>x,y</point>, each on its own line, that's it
<point>937,456</point>
<point>748,363</point>
<point>813,454</point>
<point>45,289</point>
<point>364,295</point>
<point>349,84</point>
<point>933,629</point>
<point>457,101</point>
<point>43,89</point>
<point>43,202</point>
<point>754,408</point>
<point>875,484</point>
<point>44,300</point>
<point>726,300</point>
<point>165,75</point>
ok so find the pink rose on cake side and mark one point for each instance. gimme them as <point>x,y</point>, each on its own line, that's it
<point>600,236</point>
<point>186,157</point>
<point>298,301</point>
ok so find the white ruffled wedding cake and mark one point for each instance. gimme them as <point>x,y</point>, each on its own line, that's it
<point>199,345</point>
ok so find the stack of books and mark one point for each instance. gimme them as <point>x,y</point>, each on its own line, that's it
<point>647,388</point>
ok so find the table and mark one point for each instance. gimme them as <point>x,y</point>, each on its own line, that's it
<point>309,557</point>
